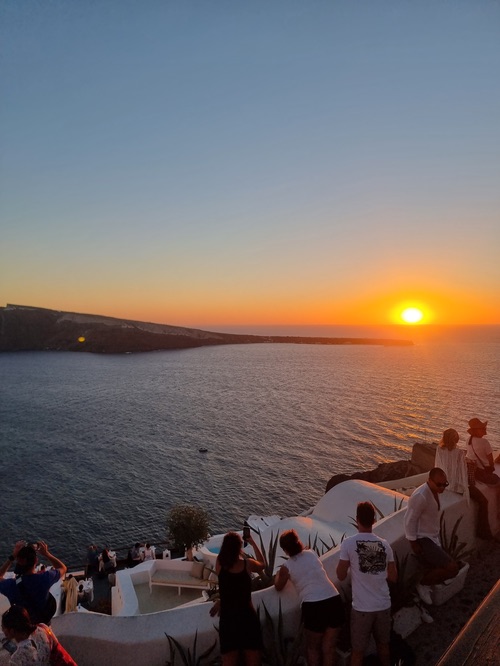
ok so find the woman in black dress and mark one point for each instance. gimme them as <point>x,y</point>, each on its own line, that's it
<point>239,627</point>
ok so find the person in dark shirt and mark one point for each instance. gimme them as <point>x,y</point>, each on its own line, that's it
<point>92,560</point>
<point>239,628</point>
<point>30,589</point>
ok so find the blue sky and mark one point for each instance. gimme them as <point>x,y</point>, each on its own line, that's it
<point>211,162</point>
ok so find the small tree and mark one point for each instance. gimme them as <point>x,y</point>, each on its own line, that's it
<point>187,526</point>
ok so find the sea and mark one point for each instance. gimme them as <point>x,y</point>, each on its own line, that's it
<point>98,448</point>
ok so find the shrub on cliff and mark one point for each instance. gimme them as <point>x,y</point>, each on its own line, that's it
<point>187,526</point>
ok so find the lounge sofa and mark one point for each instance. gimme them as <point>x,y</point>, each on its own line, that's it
<point>181,574</point>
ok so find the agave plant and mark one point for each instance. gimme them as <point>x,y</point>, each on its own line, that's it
<point>266,577</point>
<point>317,542</point>
<point>280,649</point>
<point>456,549</point>
<point>188,657</point>
<point>398,505</point>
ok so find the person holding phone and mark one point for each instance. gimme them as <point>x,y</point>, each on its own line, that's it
<point>31,589</point>
<point>239,626</point>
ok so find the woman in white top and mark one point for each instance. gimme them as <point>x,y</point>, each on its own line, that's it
<point>322,608</point>
<point>479,450</point>
<point>460,475</point>
<point>451,460</point>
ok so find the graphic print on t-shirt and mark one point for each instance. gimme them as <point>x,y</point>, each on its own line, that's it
<point>372,557</point>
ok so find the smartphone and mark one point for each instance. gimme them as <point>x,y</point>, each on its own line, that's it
<point>10,646</point>
<point>246,533</point>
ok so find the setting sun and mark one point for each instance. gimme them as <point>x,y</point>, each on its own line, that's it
<point>412,315</point>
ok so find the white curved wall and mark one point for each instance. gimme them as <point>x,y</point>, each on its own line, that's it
<point>132,641</point>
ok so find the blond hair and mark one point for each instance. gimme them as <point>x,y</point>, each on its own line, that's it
<point>449,439</point>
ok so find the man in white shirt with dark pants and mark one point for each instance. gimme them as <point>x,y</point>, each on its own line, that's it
<point>422,531</point>
<point>371,561</point>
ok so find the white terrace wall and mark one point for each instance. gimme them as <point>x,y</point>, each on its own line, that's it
<point>130,641</point>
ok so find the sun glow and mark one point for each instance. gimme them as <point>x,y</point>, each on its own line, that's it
<point>411,311</point>
<point>412,315</point>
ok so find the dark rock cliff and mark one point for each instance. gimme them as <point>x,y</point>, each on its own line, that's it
<point>25,328</point>
<point>422,460</point>
<point>36,329</point>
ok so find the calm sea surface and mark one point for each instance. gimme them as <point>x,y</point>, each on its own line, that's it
<point>98,448</point>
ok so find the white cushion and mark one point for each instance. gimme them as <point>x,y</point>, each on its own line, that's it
<point>197,569</point>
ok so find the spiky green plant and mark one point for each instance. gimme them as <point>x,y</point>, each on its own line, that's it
<point>317,542</point>
<point>266,577</point>
<point>398,503</point>
<point>377,510</point>
<point>280,649</point>
<point>188,657</point>
<point>456,549</point>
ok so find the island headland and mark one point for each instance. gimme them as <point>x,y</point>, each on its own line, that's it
<point>27,328</point>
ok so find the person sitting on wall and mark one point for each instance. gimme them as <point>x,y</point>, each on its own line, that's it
<point>107,561</point>
<point>135,555</point>
<point>461,479</point>
<point>83,595</point>
<point>148,553</point>
<point>422,531</point>
<point>480,454</point>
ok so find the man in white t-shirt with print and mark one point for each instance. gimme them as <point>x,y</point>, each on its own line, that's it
<point>371,561</point>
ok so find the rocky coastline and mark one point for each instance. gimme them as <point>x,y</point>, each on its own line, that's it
<point>422,460</point>
<point>27,328</point>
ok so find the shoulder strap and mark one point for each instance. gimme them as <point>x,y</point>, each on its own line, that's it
<point>472,447</point>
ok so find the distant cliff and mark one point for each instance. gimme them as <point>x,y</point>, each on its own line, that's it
<point>26,328</point>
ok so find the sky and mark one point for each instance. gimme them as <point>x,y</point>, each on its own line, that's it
<point>212,163</point>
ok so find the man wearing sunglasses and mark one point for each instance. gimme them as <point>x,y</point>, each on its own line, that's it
<point>422,531</point>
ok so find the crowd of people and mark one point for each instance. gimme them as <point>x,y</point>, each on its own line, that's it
<point>368,559</point>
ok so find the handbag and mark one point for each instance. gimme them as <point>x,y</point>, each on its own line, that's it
<point>487,477</point>
<point>58,655</point>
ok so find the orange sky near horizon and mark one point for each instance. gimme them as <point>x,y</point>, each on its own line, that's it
<point>228,309</point>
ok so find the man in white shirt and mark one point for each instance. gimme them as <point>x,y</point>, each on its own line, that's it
<point>422,531</point>
<point>371,561</point>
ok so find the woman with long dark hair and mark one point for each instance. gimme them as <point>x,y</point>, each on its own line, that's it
<point>239,627</point>
<point>33,643</point>
<point>322,608</point>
